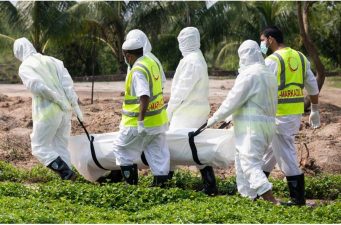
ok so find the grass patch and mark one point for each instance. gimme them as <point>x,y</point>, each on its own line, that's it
<point>39,196</point>
<point>334,81</point>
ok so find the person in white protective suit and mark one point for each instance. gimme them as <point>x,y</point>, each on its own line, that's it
<point>144,118</point>
<point>52,103</point>
<point>252,103</point>
<point>188,106</point>
<point>115,175</point>
<point>293,71</point>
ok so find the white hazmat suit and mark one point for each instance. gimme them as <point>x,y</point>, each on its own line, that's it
<point>252,102</point>
<point>188,106</point>
<point>52,102</point>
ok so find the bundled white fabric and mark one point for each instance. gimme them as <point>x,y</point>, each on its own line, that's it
<point>214,147</point>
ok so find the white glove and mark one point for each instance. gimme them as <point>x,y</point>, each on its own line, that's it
<point>169,114</point>
<point>141,130</point>
<point>210,122</point>
<point>314,118</point>
<point>78,112</point>
<point>48,93</point>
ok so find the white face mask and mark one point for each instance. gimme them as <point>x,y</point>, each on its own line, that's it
<point>263,47</point>
<point>126,61</point>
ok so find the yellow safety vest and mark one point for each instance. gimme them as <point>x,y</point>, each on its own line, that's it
<point>156,114</point>
<point>290,78</point>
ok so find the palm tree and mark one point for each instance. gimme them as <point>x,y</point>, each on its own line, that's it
<point>167,18</point>
<point>309,44</point>
<point>106,22</point>
<point>41,21</point>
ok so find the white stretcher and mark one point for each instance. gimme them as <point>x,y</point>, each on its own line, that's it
<point>214,147</point>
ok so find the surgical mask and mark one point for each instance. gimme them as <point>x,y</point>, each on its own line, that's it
<point>263,47</point>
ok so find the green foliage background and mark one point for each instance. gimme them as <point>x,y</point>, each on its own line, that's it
<point>88,36</point>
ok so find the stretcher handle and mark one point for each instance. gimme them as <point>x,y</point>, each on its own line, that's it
<point>224,125</point>
<point>86,131</point>
<point>92,147</point>
<point>200,129</point>
<point>191,136</point>
<point>203,127</point>
<point>194,150</point>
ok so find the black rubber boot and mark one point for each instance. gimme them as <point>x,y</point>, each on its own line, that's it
<point>160,181</point>
<point>130,174</point>
<point>62,169</point>
<point>296,189</point>
<point>267,174</point>
<point>210,187</point>
<point>114,176</point>
<point>170,175</point>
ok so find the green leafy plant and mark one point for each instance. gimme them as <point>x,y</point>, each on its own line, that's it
<point>40,196</point>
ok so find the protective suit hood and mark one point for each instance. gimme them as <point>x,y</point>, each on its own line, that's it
<point>142,37</point>
<point>189,40</point>
<point>23,48</point>
<point>249,54</point>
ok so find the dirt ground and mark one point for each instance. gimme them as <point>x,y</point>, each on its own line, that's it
<point>318,150</point>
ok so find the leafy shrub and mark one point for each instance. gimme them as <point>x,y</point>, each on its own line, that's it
<point>319,187</point>
<point>10,173</point>
<point>324,187</point>
<point>57,211</point>
<point>52,200</point>
<point>59,202</point>
<point>38,173</point>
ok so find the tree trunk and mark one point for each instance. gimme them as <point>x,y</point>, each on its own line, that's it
<point>303,23</point>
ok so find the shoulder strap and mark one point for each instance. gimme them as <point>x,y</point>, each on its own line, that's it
<point>91,140</point>
<point>194,150</point>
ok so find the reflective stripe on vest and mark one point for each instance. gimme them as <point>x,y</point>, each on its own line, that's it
<point>283,74</point>
<point>291,82</point>
<point>150,113</point>
<point>156,112</point>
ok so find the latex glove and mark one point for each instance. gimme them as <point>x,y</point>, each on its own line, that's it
<point>141,130</point>
<point>210,122</point>
<point>314,118</point>
<point>78,112</point>
<point>169,114</point>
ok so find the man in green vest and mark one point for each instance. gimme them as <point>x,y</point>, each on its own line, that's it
<point>144,118</point>
<point>293,74</point>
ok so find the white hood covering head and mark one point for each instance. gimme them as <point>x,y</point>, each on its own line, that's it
<point>249,53</point>
<point>142,37</point>
<point>189,40</point>
<point>23,48</point>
